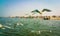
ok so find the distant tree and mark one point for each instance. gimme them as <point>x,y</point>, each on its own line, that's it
<point>53,16</point>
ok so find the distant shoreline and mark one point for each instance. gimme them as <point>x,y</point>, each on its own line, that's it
<point>42,17</point>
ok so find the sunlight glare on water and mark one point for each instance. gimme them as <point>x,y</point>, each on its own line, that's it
<point>3,28</point>
<point>1,25</point>
<point>32,31</point>
<point>50,31</point>
<point>20,24</point>
<point>7,27</point>
<point>39,32</point>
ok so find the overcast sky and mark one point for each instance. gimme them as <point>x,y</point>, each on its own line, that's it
<point>22,7</point>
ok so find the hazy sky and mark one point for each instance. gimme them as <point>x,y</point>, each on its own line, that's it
<point>22,7</point>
